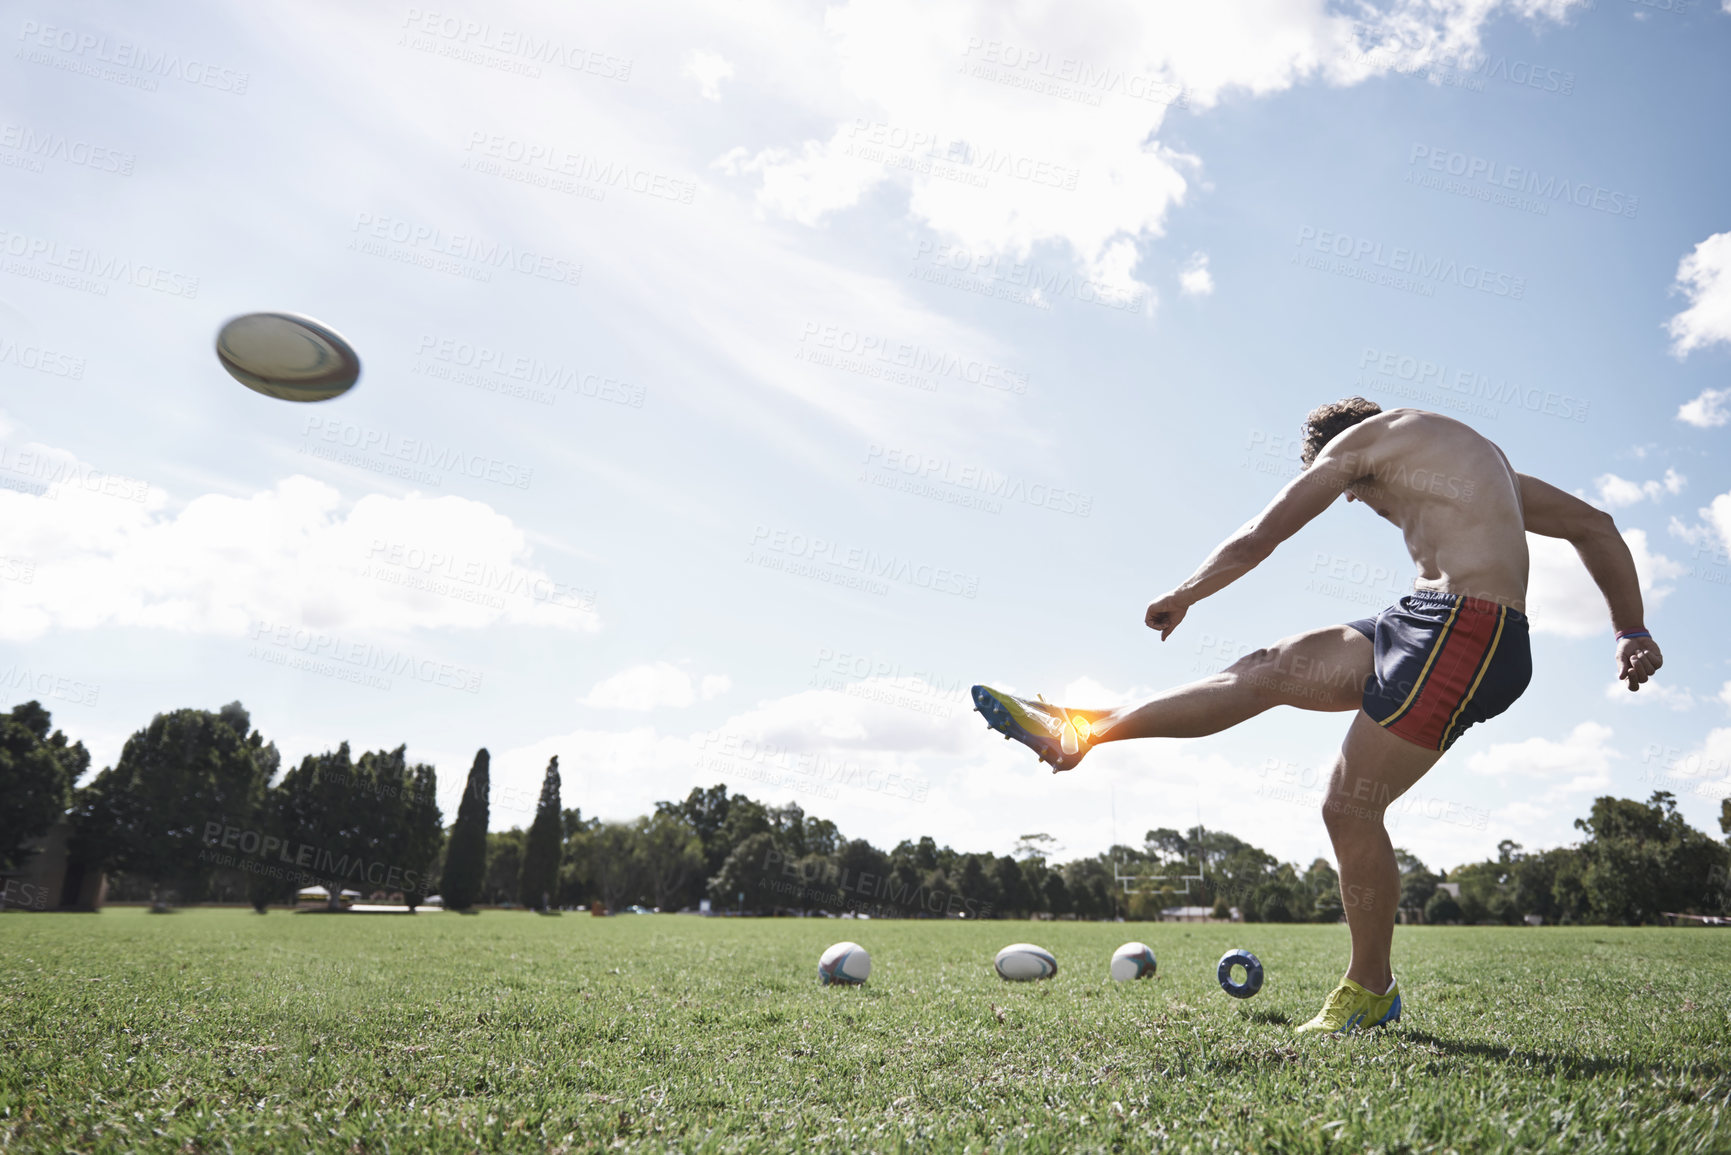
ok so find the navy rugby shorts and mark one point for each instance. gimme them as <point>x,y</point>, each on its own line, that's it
<point>1444,662</point>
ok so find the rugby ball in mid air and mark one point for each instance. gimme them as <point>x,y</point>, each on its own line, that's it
<point>287,356</point>
<point>845,964</point>
<point>1133,960</point>
<point>1021,962</point>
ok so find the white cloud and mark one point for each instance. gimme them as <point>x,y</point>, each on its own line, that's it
<point>1561,596</point>
<point>1196,280</point>
<point>805,186</point>
<point>1715,523</point>
<point>709,69</point>
<point>1708,411</point>
<point>1705,771</point>
<point>1718,515</point>
<point>1579,763</point>
<point>1704,276</point>
<point>1051,114</point>
<point>1725,694</point>
<point>294,555</point>
<point>1655,692</point>
<point>1616,492</point>
<point>859,756</point>
<point>653,685</point>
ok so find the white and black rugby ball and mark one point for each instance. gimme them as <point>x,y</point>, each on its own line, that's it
<point>1022,962</point>
<point>844,964</point>
<point>287,356</point>
<point>1133,960</point>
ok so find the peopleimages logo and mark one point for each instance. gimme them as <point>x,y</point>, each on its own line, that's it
<point>1437,375</point>
<point>820,339</point>
<point>728,753</point>
<point>70,150</point>
<point>584,168</point>
<point>515,43</point>
<point>360,660</point>
<point>867,563</point>
<point>1069,77</point>
<point>413,451</point>
<point>482,251</point>
<point>1026,283</point>
<point>93,263</point>
<point>317,862</point>
<point>443,570</point>
<point>1486,178</point>
<point>136,57</point>
<point>62,474</point>
<point>900,147</point>
<point>927,468</point>
<point>21,681</point>
<point>1411,263</point>
<point>41,360</point>
<point>884,888</point>
<point>530,370</point>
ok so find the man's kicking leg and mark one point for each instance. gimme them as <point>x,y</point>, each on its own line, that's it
<point>1321,669</point>
<point>1373,769</point>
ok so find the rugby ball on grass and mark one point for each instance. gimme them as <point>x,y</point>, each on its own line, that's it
<point>844,964</point>
<point>1022,962</point>
<point>1133,960</point>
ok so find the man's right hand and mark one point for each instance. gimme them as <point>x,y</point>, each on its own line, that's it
<point>1164,614</point>
<point>1637,660</point>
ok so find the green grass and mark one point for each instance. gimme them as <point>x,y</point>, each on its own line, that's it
<point>218,1030</point>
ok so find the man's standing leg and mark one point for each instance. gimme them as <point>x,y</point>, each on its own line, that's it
<point>1374,768</point>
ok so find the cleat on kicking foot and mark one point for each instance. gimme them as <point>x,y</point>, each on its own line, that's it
<point>1047,730</point>
<point>1350,1007</point>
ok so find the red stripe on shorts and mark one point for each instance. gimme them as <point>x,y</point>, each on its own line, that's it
<point>1451,675</point>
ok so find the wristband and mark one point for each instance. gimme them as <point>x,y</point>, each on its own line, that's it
<point>1621,634</point>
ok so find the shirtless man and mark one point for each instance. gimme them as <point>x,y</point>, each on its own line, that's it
<point>1451,653</point>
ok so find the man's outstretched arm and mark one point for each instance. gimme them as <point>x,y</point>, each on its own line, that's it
<point>1302,499</point>
<point>1552,513</point>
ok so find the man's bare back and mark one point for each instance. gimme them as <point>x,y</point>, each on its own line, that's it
<point>1450,490</point>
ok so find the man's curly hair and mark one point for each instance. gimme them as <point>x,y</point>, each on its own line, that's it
<point>1325,422</point>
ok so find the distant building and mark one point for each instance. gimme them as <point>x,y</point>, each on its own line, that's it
<point>1186,914</point>
<point>51,879</point>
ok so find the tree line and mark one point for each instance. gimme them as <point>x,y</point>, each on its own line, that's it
<point>198,808</point>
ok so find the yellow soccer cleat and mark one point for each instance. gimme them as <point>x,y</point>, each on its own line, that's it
<point>1047,730</point>
<point>1350,1007</point>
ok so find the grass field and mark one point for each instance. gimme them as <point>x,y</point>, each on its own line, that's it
<point>218,1030</point>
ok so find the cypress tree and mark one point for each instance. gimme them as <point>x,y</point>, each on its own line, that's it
<point>422,835</point>
<point>540,877</point>
<point>466,858</point>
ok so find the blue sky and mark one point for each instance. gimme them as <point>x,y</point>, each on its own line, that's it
<point>741,385</point>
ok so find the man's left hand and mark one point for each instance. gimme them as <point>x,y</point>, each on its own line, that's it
<point>1637,660</point>
<point>1164,614</point>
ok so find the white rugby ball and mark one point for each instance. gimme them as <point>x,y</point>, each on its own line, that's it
<point>846,963</point>
<point>1021,962</point>
<point>287,356</point>
<point>1133,960</point>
